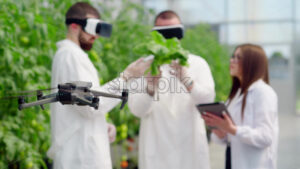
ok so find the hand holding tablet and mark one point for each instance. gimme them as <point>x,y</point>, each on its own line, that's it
<point>216,115</point>
<point>217,108</point>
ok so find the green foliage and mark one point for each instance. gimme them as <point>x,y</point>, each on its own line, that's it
<point>200,40</point>
<point>163,50</point>
<point>277,55</point>
<point>28,33</point>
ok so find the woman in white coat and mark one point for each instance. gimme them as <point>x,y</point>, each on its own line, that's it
<point>251,133</point>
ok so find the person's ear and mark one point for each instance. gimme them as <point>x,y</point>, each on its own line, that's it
<point>74,28</point>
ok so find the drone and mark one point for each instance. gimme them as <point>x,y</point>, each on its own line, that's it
<point>72,93</point>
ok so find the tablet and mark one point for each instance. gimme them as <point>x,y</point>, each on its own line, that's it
<point>217,108</point>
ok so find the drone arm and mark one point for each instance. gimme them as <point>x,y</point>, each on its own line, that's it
<point>39,102</point>
<point>123,97</point>
<point>49,96</point>
<point>103,94</point>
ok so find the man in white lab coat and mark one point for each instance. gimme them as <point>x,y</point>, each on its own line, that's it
<point>80,134</point>
<point>172,132</point>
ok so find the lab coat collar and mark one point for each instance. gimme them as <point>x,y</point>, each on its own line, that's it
<point>67,42</point>
<point>70,44</point>
<point>255,84</point>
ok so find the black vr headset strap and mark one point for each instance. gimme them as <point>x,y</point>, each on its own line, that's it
<point>81,22</point>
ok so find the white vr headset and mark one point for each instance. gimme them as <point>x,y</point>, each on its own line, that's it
<point>92,26</point>
<point>171,31</point>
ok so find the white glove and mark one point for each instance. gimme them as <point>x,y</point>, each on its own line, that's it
<point>177,70</point>
<point>181,73</point>
<point>111,129</point>
<point>137,68</point>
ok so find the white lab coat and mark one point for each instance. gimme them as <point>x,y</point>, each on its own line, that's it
<point>172,132</point>
<point>255,144</point>
<point>79,133</point>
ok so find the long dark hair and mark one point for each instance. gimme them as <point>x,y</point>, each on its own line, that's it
<point>253,64</point>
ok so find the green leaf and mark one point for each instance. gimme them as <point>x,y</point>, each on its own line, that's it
<point>164,51</point>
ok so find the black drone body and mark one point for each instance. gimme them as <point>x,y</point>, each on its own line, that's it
<point>78,93</point>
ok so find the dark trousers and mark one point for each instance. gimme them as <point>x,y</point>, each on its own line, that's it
<point>228,158</point>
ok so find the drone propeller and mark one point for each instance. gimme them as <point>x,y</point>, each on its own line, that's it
<point>30,91</point>
<point>16,97</point>
<point>39,94</point>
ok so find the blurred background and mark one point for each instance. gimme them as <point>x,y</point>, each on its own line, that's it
<point>29,30</point>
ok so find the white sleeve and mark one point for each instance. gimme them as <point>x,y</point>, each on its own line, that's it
<point>203,90</point>
<point>140,102</point>
<point>265,115</point>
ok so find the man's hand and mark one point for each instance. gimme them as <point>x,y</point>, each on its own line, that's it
<point>180,72</point>
<point>111,130</point>
<point>137,69</point>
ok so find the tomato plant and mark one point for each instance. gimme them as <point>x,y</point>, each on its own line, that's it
<point>29,31</point>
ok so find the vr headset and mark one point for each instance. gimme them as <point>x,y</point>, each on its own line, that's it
<point>172,31</point>
<point>92,26</point>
